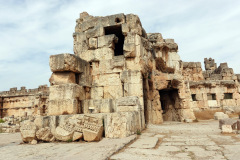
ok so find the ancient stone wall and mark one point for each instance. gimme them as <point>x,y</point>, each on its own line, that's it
<point>24,102</point>
<point>214,94</point>
<point>192,71</point>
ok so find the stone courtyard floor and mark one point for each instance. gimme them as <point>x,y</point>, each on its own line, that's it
<point>171,140</point>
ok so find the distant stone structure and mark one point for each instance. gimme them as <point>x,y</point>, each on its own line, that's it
<point>119,79</point>
<point>24,102</point>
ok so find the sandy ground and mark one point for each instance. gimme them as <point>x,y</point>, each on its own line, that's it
<point>171,140</point>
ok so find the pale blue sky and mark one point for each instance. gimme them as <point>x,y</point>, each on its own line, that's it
<point>32,30</point>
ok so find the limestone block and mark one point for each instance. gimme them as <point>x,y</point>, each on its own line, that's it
<point>95,32</point>
<point>93,129</point>
<point>199,97</point>
<point>107,41</point>
<point>220,115</point>
<point>131,39</point>
<point>132,64</point>
<point>85,106</point>
<point>98,106</point>
<point>125,29</point>
<point>116,19</point>
<point>128,101</point>
<point>85,78</point>
<point>107,106</point>
<point>121,124</point>
<point>227,129</point>
<point>134,23</point>
<point>28,131</point>
<point>77,136</point>
<point>103,54</point>
<point>62,134</point>
<point>89,23</point>
<point>42,121</point>
<point>155,37</point>
<point>212,103</point>
<point>71,123</point>
<point>169,40</point>
<point>133,89</point>
<point>227,121</point>
<point>186,114</point>
<point>80,43</point>
<point>66,91</point>
<point>62,78</point>
<point>88,56</point>
<point>95,68</point>
<point>105,66</point>
<point>44,134</point>
<point>129,76</point>
<point>93,43</point>
<point>107,80</point>
<point>129,50</point>
<point>67,62</point>
<point>65,106</point>
<point>188,120</point>
<point>97,93</point>
<point>113,92</point>
<point>34,142</point>
<point>128,108</point>
<point>229,102</point>
<point>118,61</point>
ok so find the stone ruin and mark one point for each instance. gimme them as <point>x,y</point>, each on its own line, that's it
<point>119,79</point>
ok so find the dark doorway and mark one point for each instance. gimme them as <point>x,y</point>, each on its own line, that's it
<point>117,30</point>
<point>169,102</point>
<point>43,109</point>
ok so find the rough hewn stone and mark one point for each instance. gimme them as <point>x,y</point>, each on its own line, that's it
<point>93,129</point>
<point>44,134</point>
<point>28,131</point>
<point>67,62</point>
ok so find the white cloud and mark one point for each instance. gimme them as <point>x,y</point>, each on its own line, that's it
<point>33,30</point>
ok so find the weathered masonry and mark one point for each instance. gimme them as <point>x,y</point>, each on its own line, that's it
<point>24,102</point>
<point>121,78</point>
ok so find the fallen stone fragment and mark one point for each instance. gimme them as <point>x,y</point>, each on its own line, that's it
<point>63,135</point>
<point>227,121</point>
<point>44,134</point>
<point>77,136</point>
<point>34,142</point>
<point>28,131</point>
<point>93,129</point>
<point>220,115</point>
<point>227,129</point>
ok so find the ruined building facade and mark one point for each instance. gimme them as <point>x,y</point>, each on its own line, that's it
<point>24,102</point>
<point>129,78</point>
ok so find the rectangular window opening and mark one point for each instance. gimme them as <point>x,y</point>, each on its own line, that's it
<point>228,96</point>
<point>117,30</point>
<point>211,96</point>
<point>194,97</point>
